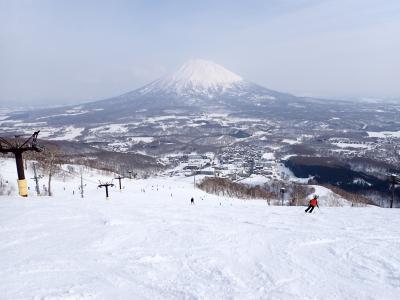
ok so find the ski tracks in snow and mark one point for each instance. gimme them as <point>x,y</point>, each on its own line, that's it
<point>154,246</point>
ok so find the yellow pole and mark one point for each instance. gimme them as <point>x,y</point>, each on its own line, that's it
<point>23,187</point>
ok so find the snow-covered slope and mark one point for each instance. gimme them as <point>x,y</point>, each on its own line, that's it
<point>201,80</point>
<point>196,77</point>
<point>329,198</point>
<point>200,85</point>
<point>148,242</point>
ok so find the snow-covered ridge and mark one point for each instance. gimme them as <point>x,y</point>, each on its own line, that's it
<point>200,76</point>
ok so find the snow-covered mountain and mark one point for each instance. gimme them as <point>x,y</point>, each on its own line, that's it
<point>196,77</point>
<point>197,86</point>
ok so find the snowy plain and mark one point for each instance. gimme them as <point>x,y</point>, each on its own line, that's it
<point>148,242</point>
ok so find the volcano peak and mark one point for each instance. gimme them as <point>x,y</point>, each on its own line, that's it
<point>197,76</point>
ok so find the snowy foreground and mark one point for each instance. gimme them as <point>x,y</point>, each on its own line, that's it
<point>151,245</point>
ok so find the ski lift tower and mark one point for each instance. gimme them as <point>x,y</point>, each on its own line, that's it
<point>17,147</point>
<point>119,179</point>
<point>393,180</point>
<point>283,191</point>
<point>106,185</point>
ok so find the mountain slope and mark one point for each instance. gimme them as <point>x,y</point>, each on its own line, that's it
<point>151,245</point>
<point>197,86</point>
<point>201,85</point>
<point>196,77</point>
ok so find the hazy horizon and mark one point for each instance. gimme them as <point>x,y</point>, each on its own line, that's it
<point>67,52</point>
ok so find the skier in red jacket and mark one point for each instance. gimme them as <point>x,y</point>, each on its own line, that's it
<point>313,203</point>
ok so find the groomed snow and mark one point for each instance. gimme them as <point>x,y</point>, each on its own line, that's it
<point>151,245</point>
<point>329,198</point>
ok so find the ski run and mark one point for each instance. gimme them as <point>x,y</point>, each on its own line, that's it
<point>148,242</point>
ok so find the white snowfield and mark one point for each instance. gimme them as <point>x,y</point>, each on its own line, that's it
<point>155,245</point>
<point>200,75</point>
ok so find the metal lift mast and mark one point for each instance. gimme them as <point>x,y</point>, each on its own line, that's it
<point>18,148</point>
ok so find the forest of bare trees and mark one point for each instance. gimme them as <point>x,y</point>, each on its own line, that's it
<point>49,162</point>
<point>296,194</point>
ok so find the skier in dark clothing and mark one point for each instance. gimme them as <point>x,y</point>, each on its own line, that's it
<point>313,203</point>
<point>192,201</point>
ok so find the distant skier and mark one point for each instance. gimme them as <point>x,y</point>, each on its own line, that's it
<point>192,201</point>
<point>313,203</point>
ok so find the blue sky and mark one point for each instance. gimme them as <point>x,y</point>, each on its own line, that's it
<point>54,52</point>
